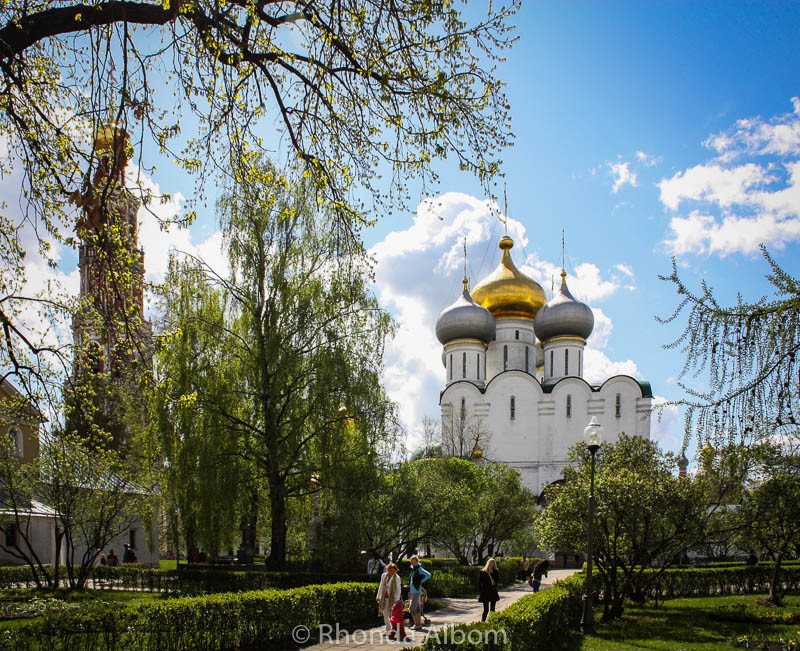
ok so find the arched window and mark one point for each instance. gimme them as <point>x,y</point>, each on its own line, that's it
<point>516,334</point>
<point>580,360</point>
<point>551,363</point>
<point>527,365</point>
<point>569,406</point>
<point>450,368</point>
<point>566,362</point>
<point>505,358</point>
<point>463,365</point>
<point>463,409</point>
<point>478,364</point>
<point>95,357</point>
<point>15,444</point>
<point>618,406</point>
<point>512,407</point>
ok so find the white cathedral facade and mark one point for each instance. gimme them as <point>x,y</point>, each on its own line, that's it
<point>514,366</point>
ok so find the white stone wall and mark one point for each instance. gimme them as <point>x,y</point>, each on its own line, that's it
<point>536,441</point>
<point>40,533</point>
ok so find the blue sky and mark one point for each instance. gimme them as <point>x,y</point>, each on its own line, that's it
<point>643,130</point>
<point>616,107</point>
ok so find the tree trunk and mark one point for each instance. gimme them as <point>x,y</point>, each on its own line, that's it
<point>277,499</point>
<point>253,530</point>
<point>774,596</point>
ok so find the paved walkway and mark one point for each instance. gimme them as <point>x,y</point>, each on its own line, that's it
<point>456,611</point>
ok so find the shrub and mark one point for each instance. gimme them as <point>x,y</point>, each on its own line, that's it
<point>543,620</point>
<point>211,622</point>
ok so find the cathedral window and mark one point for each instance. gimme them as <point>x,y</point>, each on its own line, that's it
<point>505,358</point>
<point>618,406</point>
<point>551,363</point>
<point>450,369</point>
<point>527,365</point>
<point>513,408</point>
<point>478,364</point>
<point>569,406</point>
<point>566,362</point>
<point>580,359</point>
<point>463,409</point>
<point>463,365</point>
<point>516,334</point>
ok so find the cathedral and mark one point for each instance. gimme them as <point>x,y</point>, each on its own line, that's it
<point>515,391</point>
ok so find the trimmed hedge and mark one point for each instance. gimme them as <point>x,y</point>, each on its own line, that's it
<point>220,621</point>
<point>542,620</point>
<point>707,581</point>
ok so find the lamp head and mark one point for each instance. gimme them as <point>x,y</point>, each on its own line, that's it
<point>593,435</point>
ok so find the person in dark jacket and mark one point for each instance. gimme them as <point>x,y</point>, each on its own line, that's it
<point>538,570</point>
<point>487,587</point>
<point>128,556</point>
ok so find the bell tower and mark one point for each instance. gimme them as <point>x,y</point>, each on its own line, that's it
<point>111,337</point>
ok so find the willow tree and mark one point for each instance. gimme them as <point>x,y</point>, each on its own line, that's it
<point>307,337</point>
<point>746,356</point>
<point>204,478</point>
<point>355,93</point>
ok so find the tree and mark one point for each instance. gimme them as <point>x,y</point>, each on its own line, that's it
<point>504,508</point>
<point>307,336</point>
<point>357,92</point>
<point>464,436</point>
<point>772,508</point>
<point>645,516</point>
<point>500,507</point>
<point>92,492</point>
<point>421,502</point>
<point>207,484</point>
<point>749,355</point>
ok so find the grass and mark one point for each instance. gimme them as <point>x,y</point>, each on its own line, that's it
<point>687,624</point>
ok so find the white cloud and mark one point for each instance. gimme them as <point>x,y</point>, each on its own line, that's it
<point>598,367</point>
<point>622,176</point>
<point>713,183</point>
<point>418,274</point>
<point>586,284</point>
<point>625,269</point>
<point>666,425</point>
<point>647,160</point>
<point>742,203</point>
<point>158,243</point>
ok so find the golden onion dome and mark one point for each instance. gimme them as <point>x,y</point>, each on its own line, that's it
<point>507,292</point>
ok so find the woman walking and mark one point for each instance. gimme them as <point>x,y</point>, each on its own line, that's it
<point>487,587</point>
<point>389,591</point>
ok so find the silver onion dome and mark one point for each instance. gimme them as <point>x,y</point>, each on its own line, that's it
<point>564,316</point>
<point>465,319</point>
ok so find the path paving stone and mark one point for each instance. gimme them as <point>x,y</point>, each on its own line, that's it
<point>456,611</point>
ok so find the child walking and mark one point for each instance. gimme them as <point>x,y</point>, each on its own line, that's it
<point>398,622</point>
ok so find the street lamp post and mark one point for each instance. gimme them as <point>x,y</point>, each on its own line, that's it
<point>593,437</point>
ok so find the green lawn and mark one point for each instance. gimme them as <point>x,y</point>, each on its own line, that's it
<point>686,624</point>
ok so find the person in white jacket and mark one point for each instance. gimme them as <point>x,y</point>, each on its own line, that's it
<point>389,591</point>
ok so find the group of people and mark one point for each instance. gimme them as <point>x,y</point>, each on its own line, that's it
<point>128,556</point>
<point>390,597</point>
